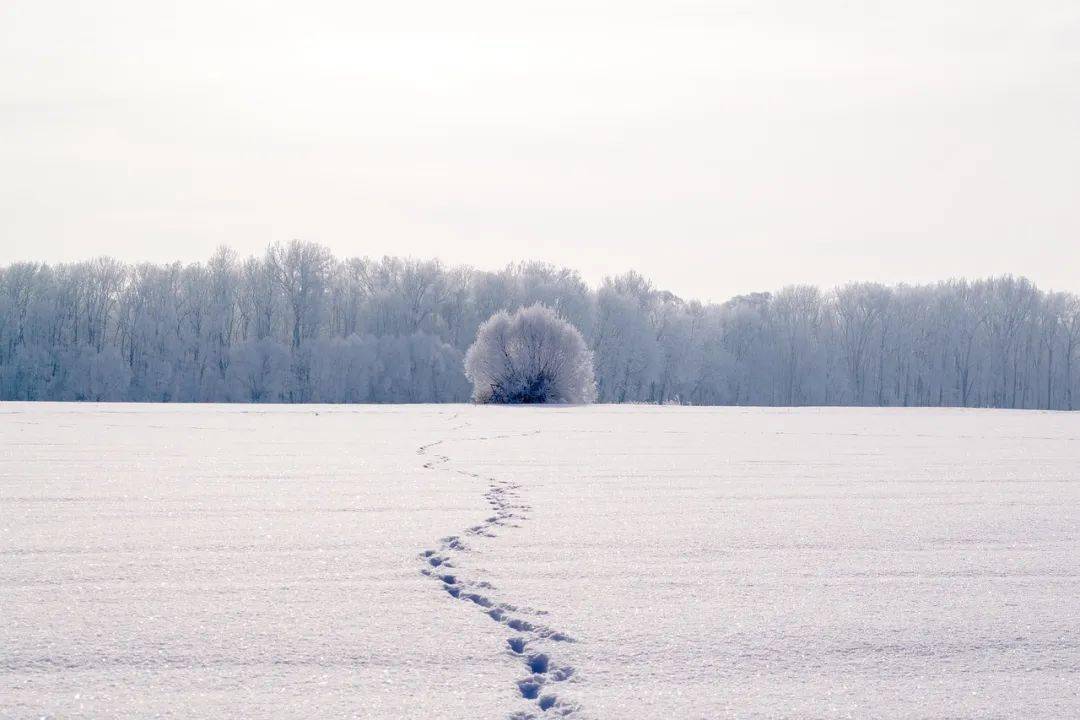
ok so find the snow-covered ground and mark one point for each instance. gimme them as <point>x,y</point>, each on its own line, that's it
<point>669,563</point>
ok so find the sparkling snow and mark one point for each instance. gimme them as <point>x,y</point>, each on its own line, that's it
<point>586,562</point>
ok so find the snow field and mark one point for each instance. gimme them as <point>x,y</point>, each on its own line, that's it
<point>583,562</point>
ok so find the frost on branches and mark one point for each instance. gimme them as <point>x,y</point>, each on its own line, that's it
<point>532,356</point>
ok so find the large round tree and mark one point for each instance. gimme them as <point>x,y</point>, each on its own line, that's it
<point>532,356</point>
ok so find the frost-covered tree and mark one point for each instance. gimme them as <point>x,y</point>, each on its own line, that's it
<point>296,324</point>
<point>532,356</point>
<point>301,270</point>
<point>627,354</point>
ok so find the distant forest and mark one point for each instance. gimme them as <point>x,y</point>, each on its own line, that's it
<point>298,325</point>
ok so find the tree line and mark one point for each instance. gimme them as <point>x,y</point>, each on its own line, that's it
<point>299,325</point>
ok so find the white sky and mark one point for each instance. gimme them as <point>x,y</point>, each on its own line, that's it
<point>718,147</point>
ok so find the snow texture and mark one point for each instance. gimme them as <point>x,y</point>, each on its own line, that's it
<point>508,562</point>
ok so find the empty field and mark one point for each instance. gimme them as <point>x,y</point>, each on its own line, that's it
<point>588,562</point>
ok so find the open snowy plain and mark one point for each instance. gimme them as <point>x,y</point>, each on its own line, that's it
<point>586,562</point>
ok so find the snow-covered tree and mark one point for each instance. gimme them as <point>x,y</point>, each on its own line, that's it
<point>295,324</point>
<point>532,356</point>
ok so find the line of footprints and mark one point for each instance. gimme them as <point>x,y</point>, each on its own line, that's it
<point>528,635</point>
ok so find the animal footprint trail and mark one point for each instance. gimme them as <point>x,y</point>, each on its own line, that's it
<point>531,641</point>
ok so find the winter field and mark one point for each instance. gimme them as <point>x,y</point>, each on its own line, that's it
<point>647,562</point>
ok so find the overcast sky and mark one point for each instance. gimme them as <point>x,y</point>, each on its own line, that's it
<point>718,147</point>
